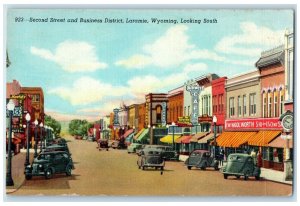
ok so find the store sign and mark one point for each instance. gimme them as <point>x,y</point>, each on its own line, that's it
<point>163,114</point>
<point>184,120</point>
<point>205,118</point>
<point>195,90</point>
<point>116,117</point>
<point>17,122</point>
<point>253,124</point>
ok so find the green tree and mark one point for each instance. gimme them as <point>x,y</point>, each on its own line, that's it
<point>49,121</point>
<point>79,127</point>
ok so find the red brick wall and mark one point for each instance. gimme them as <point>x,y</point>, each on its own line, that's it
<point>175,107</point>
<point>218,91</point>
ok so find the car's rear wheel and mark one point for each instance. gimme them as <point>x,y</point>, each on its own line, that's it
<point>238,176</point>
<point>225,176</point>
<point>189,167</point>
<point>28,177</point>
<point>246,177</point>
<point>143,168</point>
<point>204,166</point>
<point>48,173</point>
<point>257,177</point>
<point>216,167</point>
<point>69,170</point>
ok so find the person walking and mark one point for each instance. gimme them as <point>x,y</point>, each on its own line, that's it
<point>259,159</point>
<point>221,157</point>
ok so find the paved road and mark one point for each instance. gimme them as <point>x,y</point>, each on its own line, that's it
<point>115,173</point>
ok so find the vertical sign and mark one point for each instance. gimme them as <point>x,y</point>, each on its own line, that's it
<point>195,91</point>
<point>163,114</point>
<point>101,124</point>
<point>116,117</point>
<point>17,125</point>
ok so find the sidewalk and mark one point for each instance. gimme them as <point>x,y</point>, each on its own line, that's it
<point>267,174</point>
<point>17,170</point>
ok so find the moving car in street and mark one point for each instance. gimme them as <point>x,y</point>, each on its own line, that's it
<point>119,144</point>
<point>103,144</point>
<point>241,165</point>
<point>201,159</point>
<point>151,158</point>
<point>49,163</point>
<point>167,151</point>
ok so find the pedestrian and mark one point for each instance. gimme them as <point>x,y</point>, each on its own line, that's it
<point>259,159</point>
<point>221,156</point>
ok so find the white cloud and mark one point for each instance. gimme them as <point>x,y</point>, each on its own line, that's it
<point>87,90</point>
<point>171,49</point>
<point>72,56</point>
<point>251,41</point>
<point>198,67</point>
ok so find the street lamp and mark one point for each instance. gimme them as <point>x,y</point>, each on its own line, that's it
<point>27,117</point>
<point>173,128</point>
<point>215,133</point>
<point>42,138</point>
<point>46,135</point>
<point>10,107</point>
<point>35,138</point>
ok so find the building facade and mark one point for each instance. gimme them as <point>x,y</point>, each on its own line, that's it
<point>175,104</point>
<point>156,106</point>
<point>141,116</point>
<point>133,111</point>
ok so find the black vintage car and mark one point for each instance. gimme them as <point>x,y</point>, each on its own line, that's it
<point>103,144</point>
<point>151,158</point>
<point>49,163</point>
<point>167,151</point>
<point>240,165</point>
<point>201,159</point>
<point>57,147</point>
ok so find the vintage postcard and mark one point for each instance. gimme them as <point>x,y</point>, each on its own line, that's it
<point>149,102</point>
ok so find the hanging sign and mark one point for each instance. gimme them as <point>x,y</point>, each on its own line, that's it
<point>195,90</point>
<point>163,114</point>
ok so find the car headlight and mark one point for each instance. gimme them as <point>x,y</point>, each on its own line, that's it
<point>40,166</point>
<point>29,166</point>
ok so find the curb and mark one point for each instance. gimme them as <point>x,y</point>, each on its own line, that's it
<point>10,191</point>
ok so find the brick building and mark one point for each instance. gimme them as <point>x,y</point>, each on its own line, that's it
<point>175,104</point>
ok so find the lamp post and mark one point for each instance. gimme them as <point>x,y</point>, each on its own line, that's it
<point>46,135</point>
<point>215,133</point>
<point>150,128</point>
<point>10,107</point>
<point>42,138</point>
<point>35,138</point>
<point>173,129</point>
<point>27,117</point>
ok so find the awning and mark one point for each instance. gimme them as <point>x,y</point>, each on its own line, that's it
<point>234,139</point>
<point>138,134</point>
<point>169,139</point>
<point>129,138</point>
<point>263,138</point>
<point>184,139</point>
<point>128,132</point>
<point>198,136</point>
<point>206,138</point>
<point>144,134</point>
<point>278,142</point>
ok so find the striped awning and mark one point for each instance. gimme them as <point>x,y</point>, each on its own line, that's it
<point>138,134</point>
<point>127,133</point>
<point>198,136</point>
<point>184,139</point>
<point>206,138</point>
<point>263,138</point>
<point>145,134</point>
<point>169,139</point>
<point>234,139</point>
<point>278,142</point>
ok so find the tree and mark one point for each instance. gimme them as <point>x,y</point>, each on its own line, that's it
<point>79,127</point>
<point>54,124</point>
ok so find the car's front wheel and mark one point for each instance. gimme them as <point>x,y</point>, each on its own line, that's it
<point>189,167</point>
<point>48,173</point>
<point>225,176</point>
<point>69,170</point>
<point>28,177</point>
<point>257,177</point>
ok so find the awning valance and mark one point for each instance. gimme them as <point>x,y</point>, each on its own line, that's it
<point>234,139</point>
<point>198,136</point>
<point>206,138</point>
<point>169,139</point>
<point>263,138</point>
<point>184,139</point>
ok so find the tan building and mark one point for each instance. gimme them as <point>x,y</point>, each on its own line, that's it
<point>243,96</point>
<point>133,115</point>
<point>141,116</point>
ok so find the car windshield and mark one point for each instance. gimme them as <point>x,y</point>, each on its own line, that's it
<point>44,157</point>
<point>236,158</point>
<point>193,154</point>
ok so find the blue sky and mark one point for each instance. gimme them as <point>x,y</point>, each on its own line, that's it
<point>86,69</point>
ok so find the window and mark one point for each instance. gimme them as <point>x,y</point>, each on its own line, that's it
<point>270,105</point>
<point>221,103</point>
<point>276,106</point>
<point>158,114</point>
<point>281,102</point>
<point>184,111</point>
<point>205,104</point>
<point>188,110</point>
<point>231,106</point>
<point>35,97</point>
<point>239,106</point>
<point>265,112</point>
<point>244,105</point>
<point>252,104</point>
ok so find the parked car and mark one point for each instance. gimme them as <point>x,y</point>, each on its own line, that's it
<point>201,159</point>
<point>91,138</point>
<point>151,158</point>
<point>57,147</point>
<point>133,147</point>
<point>103,144</point>
<point>49,163</point>
<point>241,165</point>
<point>119,144</point>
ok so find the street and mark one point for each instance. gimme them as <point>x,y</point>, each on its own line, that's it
<point>115,173</point>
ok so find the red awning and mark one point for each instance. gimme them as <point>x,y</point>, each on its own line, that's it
<point>184,139</point>
<point>127,133</point>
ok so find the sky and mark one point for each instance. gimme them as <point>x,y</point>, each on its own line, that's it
<point>87,69</point>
